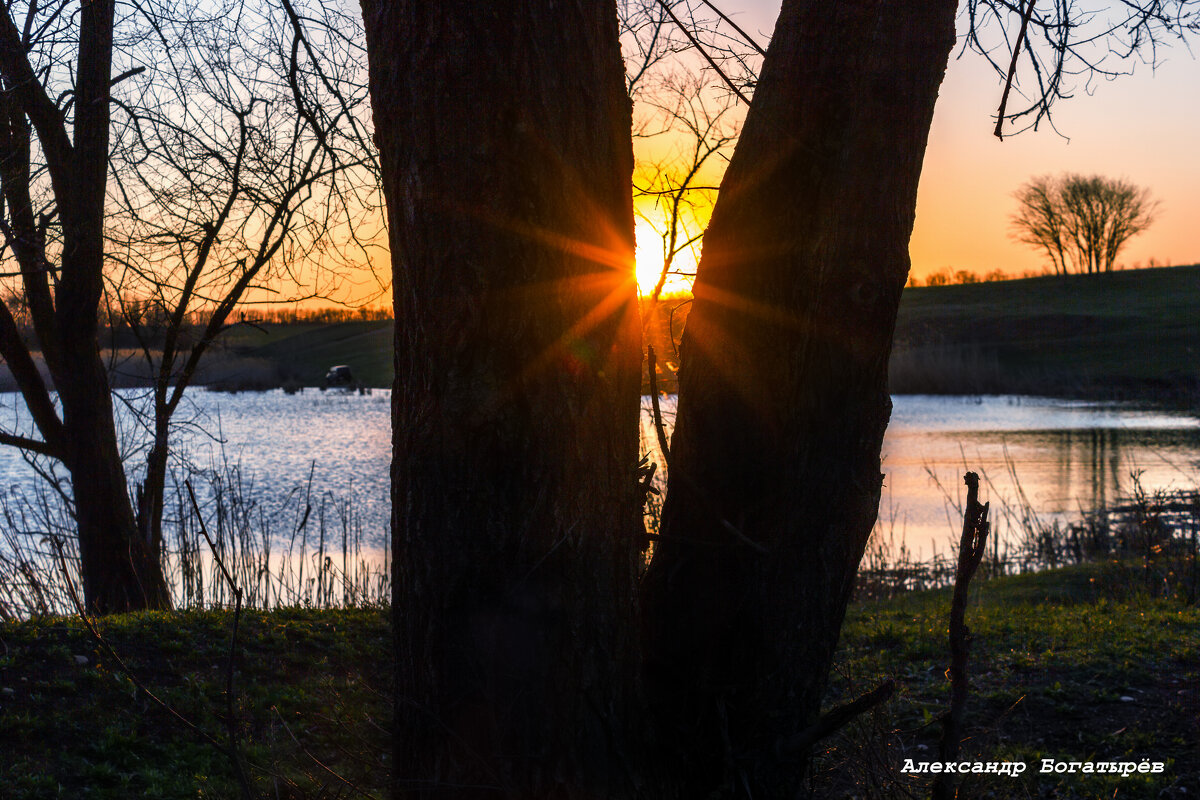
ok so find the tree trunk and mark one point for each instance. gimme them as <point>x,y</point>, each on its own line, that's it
<point>152,491</point>
<point>775,470</point>
<point>121,570</point>
<point>504,135</point>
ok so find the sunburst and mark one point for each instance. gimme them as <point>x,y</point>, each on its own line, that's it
<point>649,257</point>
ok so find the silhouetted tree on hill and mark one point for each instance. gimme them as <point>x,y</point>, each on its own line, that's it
<point>1081,222</point>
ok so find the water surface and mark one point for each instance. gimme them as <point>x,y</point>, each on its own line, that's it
<point>1067,457</point>
<point>1064,458</point>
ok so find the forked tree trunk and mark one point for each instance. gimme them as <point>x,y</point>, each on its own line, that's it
<point>775,470</point>
<point>504,135</point>
<point>119,570</point>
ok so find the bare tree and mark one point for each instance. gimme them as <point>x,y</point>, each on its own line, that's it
<point>217,151</point>
<point>56,69</point>
<point>1081,222</point>
<point>242,169</point>
<point>1039,222</point>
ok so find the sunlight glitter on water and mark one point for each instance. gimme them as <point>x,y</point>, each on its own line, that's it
<point>1068,457</point>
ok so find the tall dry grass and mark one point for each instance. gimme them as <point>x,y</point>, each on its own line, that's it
<point>1150,541</point>
<point>308,550</point>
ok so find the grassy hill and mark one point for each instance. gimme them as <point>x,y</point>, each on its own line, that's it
<point>1122,334</point>
<point>279,354</point>
<point>1134,332</point>
<point>306,355</point>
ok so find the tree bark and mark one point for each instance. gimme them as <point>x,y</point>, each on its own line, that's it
<point>152,490</point>
<point>119,568</point>
<point>775,472</point>
<point>504,135</point>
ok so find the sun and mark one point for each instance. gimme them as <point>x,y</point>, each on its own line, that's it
<point>648,260</point>
<point>648,256</point>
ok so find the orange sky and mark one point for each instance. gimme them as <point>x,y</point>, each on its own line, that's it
<point>1141,127</point>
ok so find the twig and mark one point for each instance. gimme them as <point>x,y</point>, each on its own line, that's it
<point>696,44</point>
<point>235,749</point>
<point>317,761</point>
<point>834,720</point>
<point>1012,69</point>
<point>757,47</point>
<point>970,553</point>
<point>659,428</point>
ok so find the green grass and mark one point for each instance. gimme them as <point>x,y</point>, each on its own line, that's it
<point>1053,657</point>
<point>77,730</point>
<point>1065,664</point>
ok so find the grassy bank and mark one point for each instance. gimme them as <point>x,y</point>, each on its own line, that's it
<point>1132,333</point>
<point>1121,335</point>
<point>1066,664</point>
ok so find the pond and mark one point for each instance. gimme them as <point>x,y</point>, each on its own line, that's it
<point>1065,457</point>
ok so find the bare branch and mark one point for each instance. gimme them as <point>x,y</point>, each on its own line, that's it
<point>42,111</point>
<point>687,32</point>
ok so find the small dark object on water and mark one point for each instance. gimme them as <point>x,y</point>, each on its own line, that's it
<point>339,376</point>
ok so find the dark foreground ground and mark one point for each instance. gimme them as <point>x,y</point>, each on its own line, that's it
<point>1073,665</point>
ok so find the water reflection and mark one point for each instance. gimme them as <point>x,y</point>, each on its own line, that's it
<point>1063,458</point>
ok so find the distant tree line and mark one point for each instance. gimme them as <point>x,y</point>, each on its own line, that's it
<point>947,276</point>
<point>115,322</point>
<point>324,315</point>
<point>955,277</point>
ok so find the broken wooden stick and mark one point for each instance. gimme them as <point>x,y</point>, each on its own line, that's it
<point>970,553</point>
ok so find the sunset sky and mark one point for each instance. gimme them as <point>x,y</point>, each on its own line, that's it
<point>1142,127</point>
